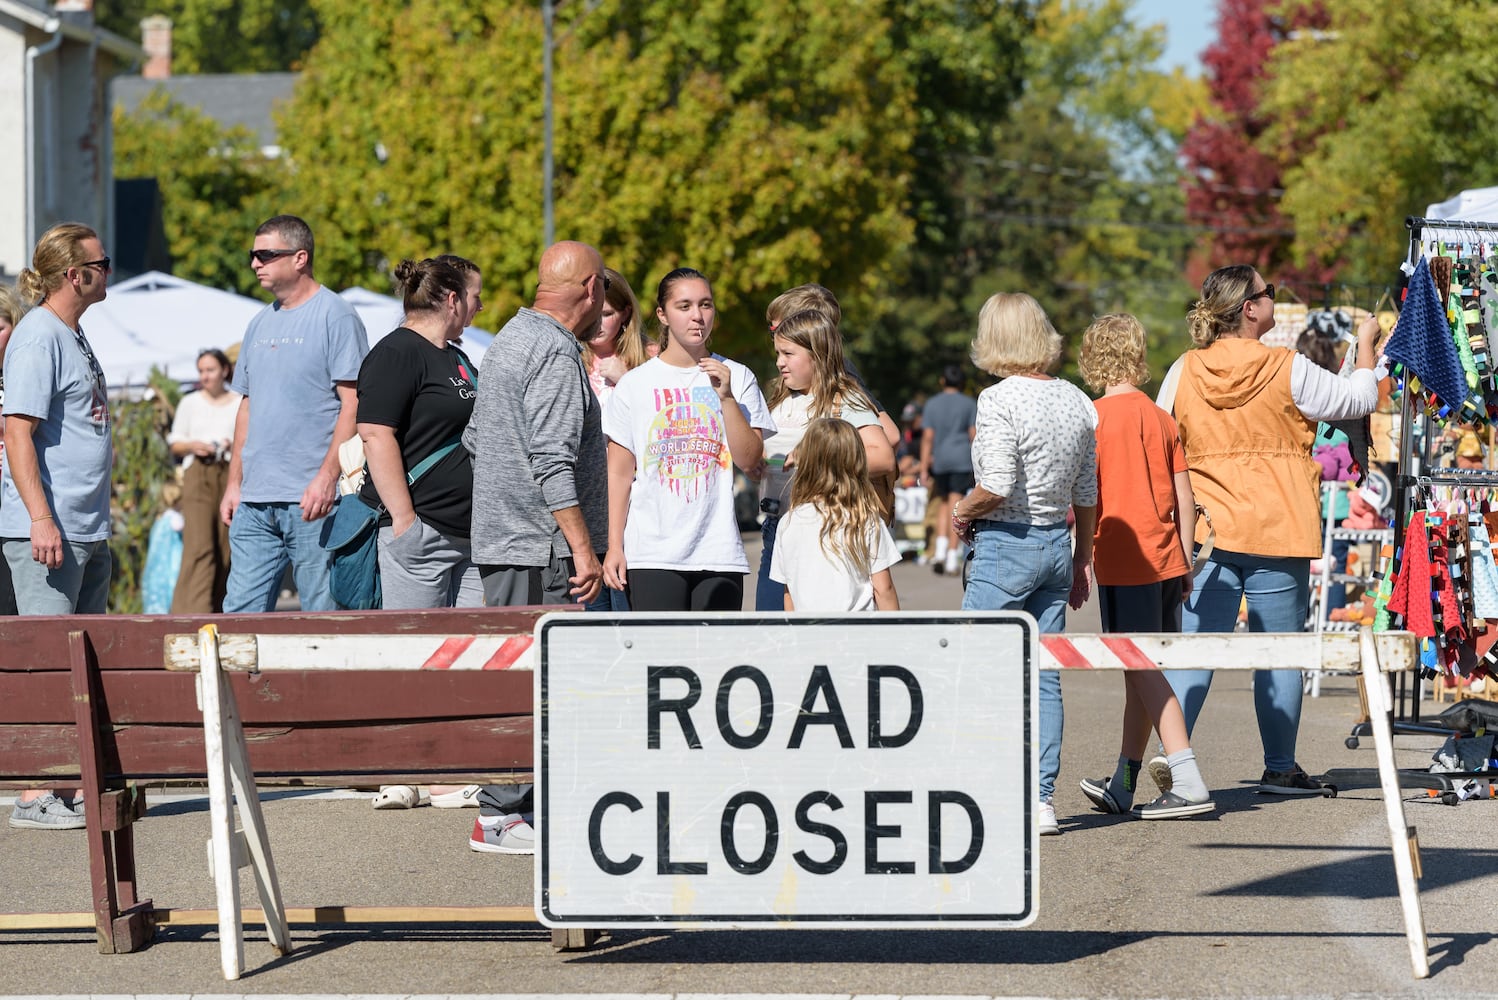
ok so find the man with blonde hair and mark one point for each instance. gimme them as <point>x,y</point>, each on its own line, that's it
<point>54,490</point>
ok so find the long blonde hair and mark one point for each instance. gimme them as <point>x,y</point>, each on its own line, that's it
<point>832,474</point>
<point>629,345</point>
<point>59,248</point>
<point>815,332</point>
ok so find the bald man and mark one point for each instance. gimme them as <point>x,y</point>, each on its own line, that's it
<point>540,477</point>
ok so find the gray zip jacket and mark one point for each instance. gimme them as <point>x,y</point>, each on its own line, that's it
<point>537,442</point>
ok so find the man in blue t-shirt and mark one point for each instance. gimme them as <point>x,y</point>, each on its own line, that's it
<point>54,490</point>
<point>950,421</point>
<point>298,371</point>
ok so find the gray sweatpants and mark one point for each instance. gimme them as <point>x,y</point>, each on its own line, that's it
<point>424,568</point>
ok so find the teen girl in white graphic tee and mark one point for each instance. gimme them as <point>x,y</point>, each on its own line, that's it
<point>676,427</point>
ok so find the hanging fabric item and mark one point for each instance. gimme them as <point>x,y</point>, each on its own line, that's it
<point>1484,570</point>
<point>1422,343</point>
<point>1412,600</point>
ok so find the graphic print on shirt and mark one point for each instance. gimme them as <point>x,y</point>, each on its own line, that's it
<point>687,447</point>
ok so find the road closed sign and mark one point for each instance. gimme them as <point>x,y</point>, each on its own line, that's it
<point>850,771</point>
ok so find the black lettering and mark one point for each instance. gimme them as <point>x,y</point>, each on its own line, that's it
<point>821,681</point>
<point>772,833</point>
<point>832,833</point>
<point>595,834</point>
<point>655,705</point>
<point>873,832</point>
<point>663,863</point>
<point>934,802</point>
<point>877,673</point>
<point>766,708</point>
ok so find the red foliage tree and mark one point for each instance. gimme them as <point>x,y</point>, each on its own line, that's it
<point>1230,185</point>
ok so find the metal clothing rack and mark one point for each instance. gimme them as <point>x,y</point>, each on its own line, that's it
<point>1413,475</point>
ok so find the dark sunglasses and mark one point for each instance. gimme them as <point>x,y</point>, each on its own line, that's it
<point>102,263</point>
<point>1266,290</point>
<point>266,256</point>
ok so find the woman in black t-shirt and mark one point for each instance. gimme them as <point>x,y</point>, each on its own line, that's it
<point>415,397</point>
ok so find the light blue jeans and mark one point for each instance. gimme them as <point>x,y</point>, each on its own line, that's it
<point>1277,591</point>
<point>79,586</point>
<point>1027,567</point>
<point>263,538</point>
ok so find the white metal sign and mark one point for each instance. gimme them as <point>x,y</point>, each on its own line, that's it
<point>832,771</point>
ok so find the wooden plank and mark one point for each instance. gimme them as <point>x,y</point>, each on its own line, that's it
<point>478,746</point>
<point>332,915</point>
<point>437,651</point>
<point>134,642</point>
<point>158,696</point>
<point>89,716</point>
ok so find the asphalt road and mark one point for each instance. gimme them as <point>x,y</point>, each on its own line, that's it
<point>1267,897</point>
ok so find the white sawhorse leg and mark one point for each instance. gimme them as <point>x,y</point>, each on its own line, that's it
<point>1401,835</point>
<point>229,849</point>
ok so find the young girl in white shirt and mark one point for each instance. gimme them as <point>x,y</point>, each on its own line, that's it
<point>833,551</point>
<point>813,382</point>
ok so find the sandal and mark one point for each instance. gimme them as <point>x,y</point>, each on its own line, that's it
<point>399,797</point>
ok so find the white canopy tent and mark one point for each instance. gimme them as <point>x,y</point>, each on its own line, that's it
<point>382,314</point>
<point>1473,205</point>
<point>159,320</point>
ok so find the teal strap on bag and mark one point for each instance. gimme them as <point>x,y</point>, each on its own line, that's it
<point>425,465</point>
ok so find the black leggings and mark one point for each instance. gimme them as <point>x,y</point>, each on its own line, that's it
<point>679,590</point>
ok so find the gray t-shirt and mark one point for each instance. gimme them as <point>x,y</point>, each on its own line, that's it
<point>287,365</point>
<point>949,416</point>
<point>537,441</point>
<point>50,374</point>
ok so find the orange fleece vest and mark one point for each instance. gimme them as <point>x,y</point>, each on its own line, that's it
<point>1248,449</point>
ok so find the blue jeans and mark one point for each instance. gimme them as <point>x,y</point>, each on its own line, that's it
<point>79,586</point>
<point>608,599</point>
<point>1027,567</point>
<point>768,594</point>
<point>1278,591</point>
<point>263,538</point>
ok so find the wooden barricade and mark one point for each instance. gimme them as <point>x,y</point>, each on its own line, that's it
<point>87,701</point>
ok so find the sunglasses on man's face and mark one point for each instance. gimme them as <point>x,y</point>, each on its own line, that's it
<point>103,264</point>
<point>266,256</point>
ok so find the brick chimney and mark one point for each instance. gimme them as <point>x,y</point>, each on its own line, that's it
<point>156,39</point>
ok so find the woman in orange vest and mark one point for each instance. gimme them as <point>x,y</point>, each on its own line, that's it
<point>1247,415</point>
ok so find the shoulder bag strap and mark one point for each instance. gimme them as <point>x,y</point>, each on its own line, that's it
<point>425,465</point>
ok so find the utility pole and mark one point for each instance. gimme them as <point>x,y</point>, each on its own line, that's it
<point>548,220</point>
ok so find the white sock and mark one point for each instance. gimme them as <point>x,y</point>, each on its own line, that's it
<point>1186,777</point>
<point>941,548</point>
<point>954,558</point>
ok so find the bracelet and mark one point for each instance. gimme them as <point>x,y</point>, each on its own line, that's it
<point>44,517</point>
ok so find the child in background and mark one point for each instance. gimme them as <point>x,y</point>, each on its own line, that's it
<point>163,554</point>
<point>813,382</point>
<point>1145,525</point>
<point>834,551</point>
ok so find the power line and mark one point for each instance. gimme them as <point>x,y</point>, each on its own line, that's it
<point>1075,221</point>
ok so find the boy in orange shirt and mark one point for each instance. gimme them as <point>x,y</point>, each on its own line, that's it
<point>1146,520</point>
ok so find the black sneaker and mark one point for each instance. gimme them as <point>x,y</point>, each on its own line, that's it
<point>1292,782</point>
<point>1097,793</point>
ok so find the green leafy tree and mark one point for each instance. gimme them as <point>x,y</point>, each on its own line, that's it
<point>1070,192</point>
<point>762,142</point>
<point>1377,117</point>
<point>223,36</point>
<point>142,465</point>
<point>215,185</point>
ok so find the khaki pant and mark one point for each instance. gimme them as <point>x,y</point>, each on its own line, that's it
<point>205,541</point>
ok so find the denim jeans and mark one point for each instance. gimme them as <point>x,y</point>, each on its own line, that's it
<point>263,538</point>
<point>79,586</point>
<point>1027,567</point>
<point>768,594</point>
<point>608,600</point>
<point>1277,590</point>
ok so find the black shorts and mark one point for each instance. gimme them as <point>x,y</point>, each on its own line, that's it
<point>1145,607</point>
<point>944,484</point>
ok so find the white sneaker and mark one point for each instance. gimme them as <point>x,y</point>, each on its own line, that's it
<point>1045,818</point>
<point>511,835</point>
